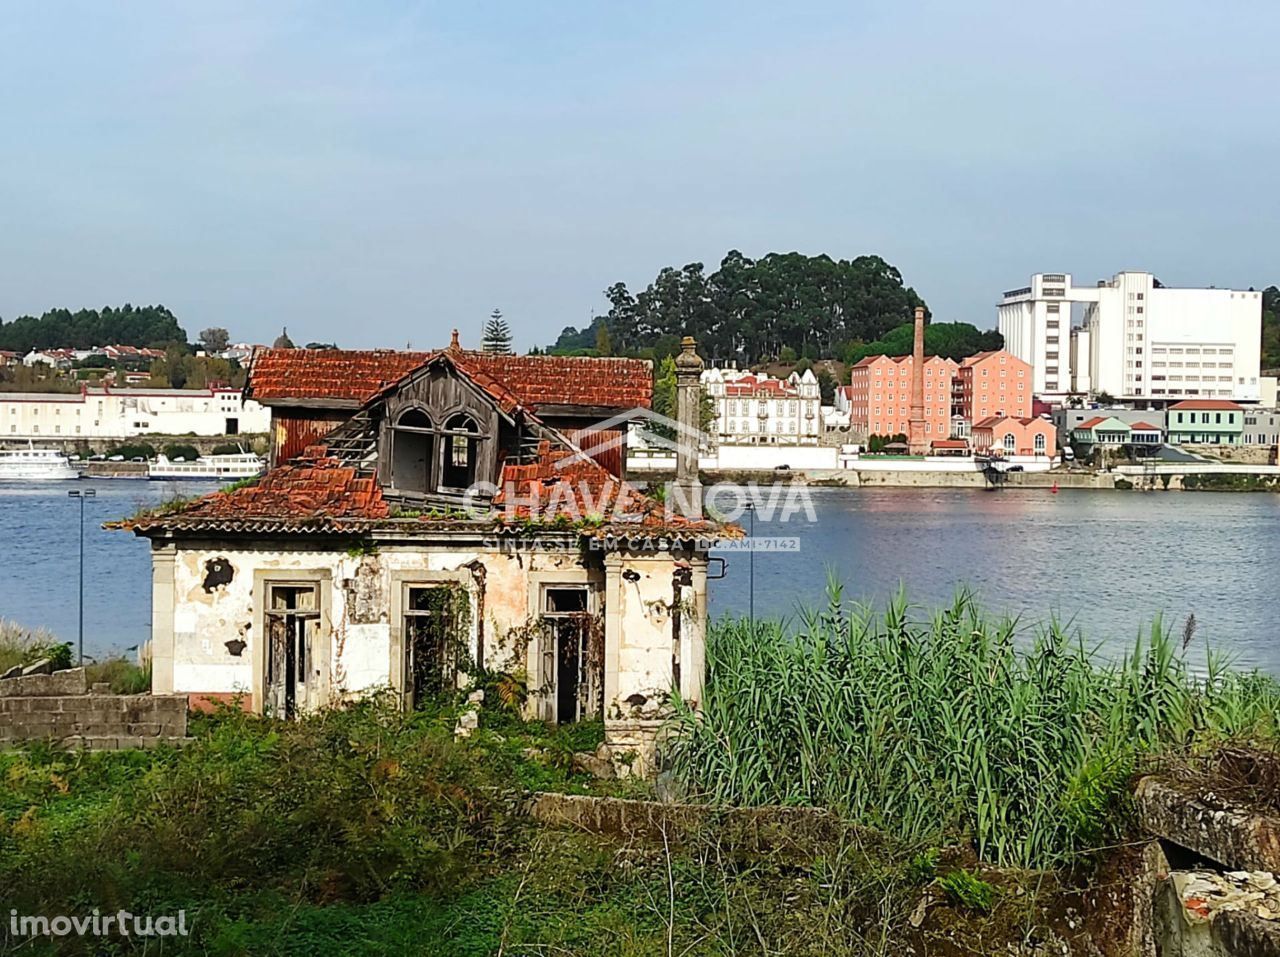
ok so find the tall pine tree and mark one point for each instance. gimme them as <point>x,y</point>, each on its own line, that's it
<point>497,335</point>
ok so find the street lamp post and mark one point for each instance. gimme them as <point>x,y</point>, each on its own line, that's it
<point>751,564</point>
<point>81,495</point>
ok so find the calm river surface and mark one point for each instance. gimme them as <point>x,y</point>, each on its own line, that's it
<point>1105,561</point>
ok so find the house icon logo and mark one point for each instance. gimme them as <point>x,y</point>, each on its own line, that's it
<point>651,429</point>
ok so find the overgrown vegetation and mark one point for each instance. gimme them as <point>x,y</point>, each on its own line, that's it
<point>371,831</point>
<point>951,728</point>
<point>947,743</point>
<point>24,646</point>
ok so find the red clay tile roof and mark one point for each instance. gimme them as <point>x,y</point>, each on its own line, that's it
<point>993,419</point>
<point>950,444</point>
<point>1143,427</point>
<point>1208,405</point>
<point>317,494</point>
<point>1090,423</point>
<point>315,487</point>
<point>349,377</point>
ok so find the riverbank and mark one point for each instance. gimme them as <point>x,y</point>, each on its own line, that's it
<point>1206,478</point>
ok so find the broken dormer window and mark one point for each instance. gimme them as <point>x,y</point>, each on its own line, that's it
<point>462,439</point>
<point>412,442</point>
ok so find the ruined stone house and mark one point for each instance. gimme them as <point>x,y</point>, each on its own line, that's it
<point>444,528</point>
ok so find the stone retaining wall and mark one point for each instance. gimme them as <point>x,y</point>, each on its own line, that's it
<point>58,707</point>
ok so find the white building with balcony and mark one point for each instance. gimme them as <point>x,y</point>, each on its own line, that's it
<point>1137,339</point>
<point>753,409</point>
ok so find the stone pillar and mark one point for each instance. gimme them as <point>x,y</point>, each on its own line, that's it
<point>916,439</point>
<point>613,599</point>
<point>163,558</point>
<point>693,654</point>
<point>687,492</point>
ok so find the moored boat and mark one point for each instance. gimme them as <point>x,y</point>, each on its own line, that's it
<point>34,464</point>
<point>228,468</point>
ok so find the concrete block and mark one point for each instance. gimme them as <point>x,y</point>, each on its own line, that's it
<point>1237,839</point>
<point>42,683</point>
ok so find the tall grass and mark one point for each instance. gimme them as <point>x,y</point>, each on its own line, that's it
<point>25,646</point>
<point>948,728</point>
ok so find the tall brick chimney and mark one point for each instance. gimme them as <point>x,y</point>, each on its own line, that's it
<point>687,492</point>
<point>916,440</point>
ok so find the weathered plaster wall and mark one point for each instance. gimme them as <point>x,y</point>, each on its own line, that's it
<point>215,624</point>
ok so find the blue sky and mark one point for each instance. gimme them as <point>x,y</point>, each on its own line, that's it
<point>378,173</point>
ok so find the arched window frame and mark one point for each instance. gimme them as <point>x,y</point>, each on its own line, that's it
<point>455,475</point>
<point>409,443</point>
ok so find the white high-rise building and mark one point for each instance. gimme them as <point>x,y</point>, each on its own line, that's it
<point>1138,340</point>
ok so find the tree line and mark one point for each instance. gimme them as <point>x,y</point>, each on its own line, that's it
<point>750,310</point>
<point>127,325</point>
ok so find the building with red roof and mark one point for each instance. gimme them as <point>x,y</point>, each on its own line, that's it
<point>1007,436</point>
<point>445,526</point>
<point>311,391</point>
<point>1205,422</point>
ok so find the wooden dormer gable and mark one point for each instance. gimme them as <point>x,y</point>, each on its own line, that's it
<point>440,434</point>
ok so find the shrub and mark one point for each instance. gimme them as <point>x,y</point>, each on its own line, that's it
<point>178,450</point>
<point>226,448</point>
<point>133,450</point>
<point>122,675</point>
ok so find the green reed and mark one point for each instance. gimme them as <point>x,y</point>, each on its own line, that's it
<point>952,726</point>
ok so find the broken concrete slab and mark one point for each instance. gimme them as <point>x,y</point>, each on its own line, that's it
<point>1237,838</point>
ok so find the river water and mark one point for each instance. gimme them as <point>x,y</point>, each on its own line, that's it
<point>1107,562</point>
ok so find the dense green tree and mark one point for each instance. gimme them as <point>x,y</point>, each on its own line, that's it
<point>497,334</point>
<point>1271,328</point>
<point>60,328</point>
<point>954,340</point>
<point>826,386</point>
<point>750,310</point>
<point>215,339</point>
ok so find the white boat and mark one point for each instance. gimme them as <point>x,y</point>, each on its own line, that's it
<point>35,465</point>
<point>225,468</point>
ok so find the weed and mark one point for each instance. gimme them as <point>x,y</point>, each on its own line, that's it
<point>970,892</point>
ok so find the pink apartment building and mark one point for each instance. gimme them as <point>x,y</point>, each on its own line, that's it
<point>992,383</point>
<point>880,395</point>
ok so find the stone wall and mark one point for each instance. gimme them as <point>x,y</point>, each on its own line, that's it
<point>58,707</point>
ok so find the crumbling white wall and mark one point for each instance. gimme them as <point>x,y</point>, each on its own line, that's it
<point>215,626</point>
